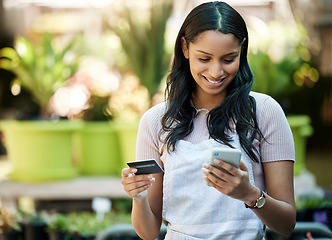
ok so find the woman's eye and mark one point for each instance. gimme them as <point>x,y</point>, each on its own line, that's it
<point>203,59</point>
<point>229,60</point>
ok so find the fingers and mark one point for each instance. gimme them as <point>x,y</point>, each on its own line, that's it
<point>232,183</point>
<point>212,178</point>
<point>135,184</point>
<point>225,177</point>
<point>223,171</point>
<point>243,166</point>
<point>126,172</point>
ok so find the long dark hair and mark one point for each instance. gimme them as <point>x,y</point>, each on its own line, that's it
<point>238,107</point>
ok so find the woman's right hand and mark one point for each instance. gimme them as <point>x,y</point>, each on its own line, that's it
<point>136,185</point>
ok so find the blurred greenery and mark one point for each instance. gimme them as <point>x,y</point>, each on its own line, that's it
<point>274,79</point>
<point>8,221</point>
<point>99,109</point>
<point>281,61</point>
<point>40,68</point>
<point>310,203</point>
<point>144,42</point>
<point>83,223</point>
<point>58,222</point>
<point>87,224</point>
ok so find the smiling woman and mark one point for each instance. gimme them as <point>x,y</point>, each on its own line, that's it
<point>210,104</point>
<point>214,61</point>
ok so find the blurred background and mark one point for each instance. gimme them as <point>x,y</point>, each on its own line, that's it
<point>76,76</point>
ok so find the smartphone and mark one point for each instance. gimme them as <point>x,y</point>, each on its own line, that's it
<point>148,166</point>
<point>229,155</point>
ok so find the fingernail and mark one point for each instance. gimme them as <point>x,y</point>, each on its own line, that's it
<point>217,161</point>
<point>134,170</point>
<point>205,165</point>
<point>205,170</point>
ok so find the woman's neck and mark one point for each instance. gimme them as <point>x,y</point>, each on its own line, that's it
<point>206,101</point>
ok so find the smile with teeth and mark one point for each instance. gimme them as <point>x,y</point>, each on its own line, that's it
<point>213,81</point>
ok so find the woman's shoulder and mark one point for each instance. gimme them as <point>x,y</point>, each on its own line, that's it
<point>267,109</point>
<point>260,97</point>
<point>155,111</point>
<point>153,115</point>
<point>264,101</point>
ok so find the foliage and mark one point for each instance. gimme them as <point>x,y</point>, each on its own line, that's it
<point>32,217</point>
<point>274,79</point>
<point>144,43</point>
<point>281,60</point>
<point>131,100</point>
<point>8,221</point>
<point>310,203</point>
<point>58,222</point>
<point>123,205</point>
<point>99,109</point>
<point>40,69</point>
<point>87,224</point>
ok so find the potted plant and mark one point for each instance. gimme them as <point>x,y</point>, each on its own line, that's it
<point>9,226</point>
<point>34,225</point>
<point>86,225</point>
<point>143,44</point>
<point>40,150</point>
<point>98,141</point>
<point>57,227</point>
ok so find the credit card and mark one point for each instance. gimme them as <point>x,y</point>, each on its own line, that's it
<point>149,166</point>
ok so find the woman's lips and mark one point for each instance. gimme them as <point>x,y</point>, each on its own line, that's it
<point>213,81</point>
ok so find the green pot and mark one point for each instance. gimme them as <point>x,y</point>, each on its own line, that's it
<point>99,149</point>
<point>127,133</point>
<point>40,150</point>
<point>301,130</point>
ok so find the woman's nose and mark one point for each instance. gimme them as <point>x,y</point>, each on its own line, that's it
<point>216,70</point>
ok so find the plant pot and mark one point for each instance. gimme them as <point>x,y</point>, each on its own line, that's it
<point>127,134</point>
<point>56,235</point>
<point>40,150</point>
<point>13,235</point>
<point>99,149</point>
<point>35,231</point>
<point>80,237</point>
<point>301,130</point>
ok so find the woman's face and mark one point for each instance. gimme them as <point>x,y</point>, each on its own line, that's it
<point>214,60</point>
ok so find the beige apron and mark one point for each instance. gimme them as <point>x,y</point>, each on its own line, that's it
<point>192,209</point>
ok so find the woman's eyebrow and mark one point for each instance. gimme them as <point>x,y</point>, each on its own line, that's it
<point>228,54</point>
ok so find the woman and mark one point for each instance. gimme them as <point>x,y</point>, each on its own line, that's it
<point>209,104</point>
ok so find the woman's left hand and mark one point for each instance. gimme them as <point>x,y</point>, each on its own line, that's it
<point>234,183</point>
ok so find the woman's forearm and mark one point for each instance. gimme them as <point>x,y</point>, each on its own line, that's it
<point>146,223</point>
<point>279,216</point>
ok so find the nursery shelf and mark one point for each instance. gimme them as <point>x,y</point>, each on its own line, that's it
<point>75,189</point>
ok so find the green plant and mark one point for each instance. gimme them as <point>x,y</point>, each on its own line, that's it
<point>39,218</point>
<point>87,224</point>
<point>8,221</point>
<point>144,43</point>
<point>40,68</point>
<point>281,59</point>
<point>312,202</point>
<point>273,78</point>
<point>58,222</point>
<point>99,109</point>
